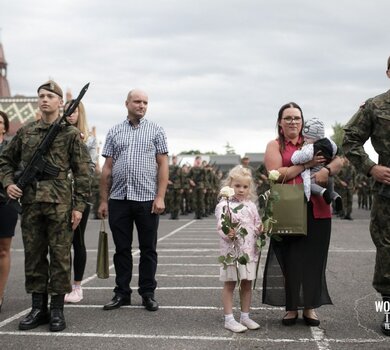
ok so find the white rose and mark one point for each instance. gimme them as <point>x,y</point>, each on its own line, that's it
<point>226,192</point>
<point>273,175</point>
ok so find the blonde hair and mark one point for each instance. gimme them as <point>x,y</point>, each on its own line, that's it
<point>81,123</point>
<point>239,172</point>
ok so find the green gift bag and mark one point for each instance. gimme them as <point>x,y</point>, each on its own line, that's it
<point>102,263</point>
<point>290,210</point>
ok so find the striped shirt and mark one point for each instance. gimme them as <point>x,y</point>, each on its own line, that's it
<point>133,150</point>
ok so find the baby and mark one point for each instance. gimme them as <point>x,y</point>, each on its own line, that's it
<point>317,143</point>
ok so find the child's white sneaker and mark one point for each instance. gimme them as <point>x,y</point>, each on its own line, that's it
<point>234,326</point>
<point>250,324</point>
<point>75,296</point>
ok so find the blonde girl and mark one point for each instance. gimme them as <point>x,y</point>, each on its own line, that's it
<point>241,180</point>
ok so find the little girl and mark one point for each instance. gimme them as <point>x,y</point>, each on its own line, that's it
<point>240,179</point>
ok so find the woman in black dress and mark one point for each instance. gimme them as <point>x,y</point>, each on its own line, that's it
<point>8,219</point>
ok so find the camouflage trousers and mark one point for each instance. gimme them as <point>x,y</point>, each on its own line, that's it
<point>198,203</point>
<point>380,234</point>
<point>46,229</point>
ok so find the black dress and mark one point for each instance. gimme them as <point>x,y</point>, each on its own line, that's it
<point>8,215</point>
<point>294,273</point>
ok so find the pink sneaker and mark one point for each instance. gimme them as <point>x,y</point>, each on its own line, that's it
<point>75,296</point>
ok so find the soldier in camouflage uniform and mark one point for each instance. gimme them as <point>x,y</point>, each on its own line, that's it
<point>186,198</point>
<point>197,179</point>
<point>262,183</point>
<point>362,189</point>
<point>346,181</point>
<point>175,189</point>
<point>49,216</point>
<point>372,120</point>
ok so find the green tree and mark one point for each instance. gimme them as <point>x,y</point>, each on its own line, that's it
<point>229,149</point>
<point>338,134</point>
<point>191,152</point>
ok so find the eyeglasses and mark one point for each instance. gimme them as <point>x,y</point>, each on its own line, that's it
<point>289,120</point>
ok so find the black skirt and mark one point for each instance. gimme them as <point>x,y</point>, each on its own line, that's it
<point>8,219</point>
<point>294,273</point>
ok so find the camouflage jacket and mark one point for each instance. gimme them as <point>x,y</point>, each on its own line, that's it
<point>176,176</point>
<point>372,120</point>
<point>198,175</point>
<point>68,152</point>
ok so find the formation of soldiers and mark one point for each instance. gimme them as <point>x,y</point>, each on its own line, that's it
<point>348,182</point>
<point>194,189</point>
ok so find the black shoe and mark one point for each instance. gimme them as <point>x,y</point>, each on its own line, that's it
<point>326,196</point>
<point>347,217</point>
<point>39,313</point>
<point>150,303</point>
<point>116,302</point>
<point>35,318</point>
<point>338,204</point>
<point>57,320</point>
<point>312,322</point>
<point>289,321</point>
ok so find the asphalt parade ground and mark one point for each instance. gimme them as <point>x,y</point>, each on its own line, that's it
<point>189,294</point>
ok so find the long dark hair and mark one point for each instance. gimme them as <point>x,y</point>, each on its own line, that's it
<point>280,114</point>
<point>6,121</point>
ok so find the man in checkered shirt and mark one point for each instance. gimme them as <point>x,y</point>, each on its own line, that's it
<point>132,189</point>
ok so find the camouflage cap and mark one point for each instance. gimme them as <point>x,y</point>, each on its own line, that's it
<point>51,86</point>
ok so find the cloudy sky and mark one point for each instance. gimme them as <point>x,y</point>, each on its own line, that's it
<point>216,71</point>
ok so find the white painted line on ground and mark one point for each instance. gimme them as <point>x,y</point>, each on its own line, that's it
<point>188,250</point>
<point>319,337</point>
<point>161,288</point>
<point>18,250</point>
<point>175,231</point>
<point>90,278</point>
<point>232,338</point>
<point>172,307</point>
<point>184,276</point>
<point>190,243</point>
<point>14,317</point>
<point>197,238</point>
<point>187,256</point>
<point>184,265</point>
<point>175,288</point>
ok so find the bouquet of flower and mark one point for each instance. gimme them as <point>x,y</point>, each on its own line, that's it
<point>269,198</point>
<point>234,256</point>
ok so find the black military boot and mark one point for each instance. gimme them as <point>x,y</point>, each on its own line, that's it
<point>385,325</point>
<point>57,319</point>
<point>39,313</point>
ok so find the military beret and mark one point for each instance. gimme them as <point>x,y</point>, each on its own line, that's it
<point>51,86</point>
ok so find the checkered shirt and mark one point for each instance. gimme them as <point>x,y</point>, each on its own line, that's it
<point>133,151</point>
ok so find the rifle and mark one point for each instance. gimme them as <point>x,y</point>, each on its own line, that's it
<point>38,167</point>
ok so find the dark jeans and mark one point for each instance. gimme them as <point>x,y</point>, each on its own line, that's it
<point>122,216</point>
